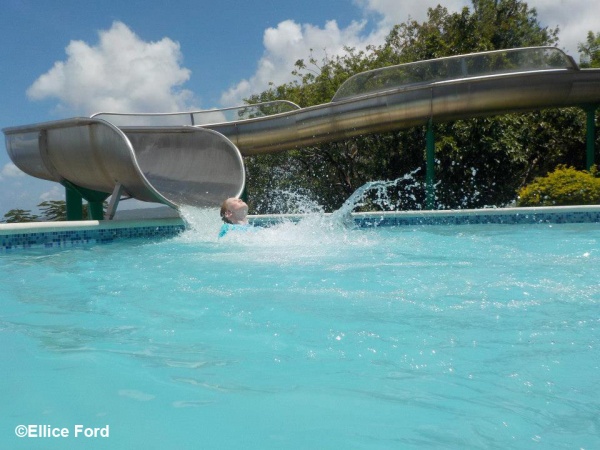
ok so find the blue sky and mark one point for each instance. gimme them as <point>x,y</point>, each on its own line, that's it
<point>67,58</point>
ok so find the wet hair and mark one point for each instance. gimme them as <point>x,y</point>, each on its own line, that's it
<point>224,210</point>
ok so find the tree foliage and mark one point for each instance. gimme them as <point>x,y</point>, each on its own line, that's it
<point>479,161</point>
<point>52,211</point>
<point>590,51</point>
<point>19,216</point>
<point>564,186</point>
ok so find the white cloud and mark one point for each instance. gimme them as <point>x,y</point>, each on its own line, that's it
<point>10,171</point>
<point>56,192</point>
<point>393,12</point>
<point>122,73</point>
<point>290,41</point>
<point>286,44</point>
<point>574,17</point>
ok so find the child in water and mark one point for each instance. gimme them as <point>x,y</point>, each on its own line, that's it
<point>234,212</point>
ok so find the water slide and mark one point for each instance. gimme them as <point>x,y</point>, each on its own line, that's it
<point>174,166</point>
<point>196,158</point>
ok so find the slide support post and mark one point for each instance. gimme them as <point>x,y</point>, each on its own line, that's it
<point>430,161</point>
<point>590,111</point>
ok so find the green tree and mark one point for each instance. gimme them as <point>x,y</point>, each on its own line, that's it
<point>590,51</point>
<point>53,210</point>
<point>481,161</point>
<point>490,25</point>
<point>56,210</point>
<point>19,215</point>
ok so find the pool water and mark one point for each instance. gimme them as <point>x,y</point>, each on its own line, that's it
<point>308,335</point>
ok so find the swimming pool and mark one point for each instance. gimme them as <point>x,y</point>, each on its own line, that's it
<point>308,335</point>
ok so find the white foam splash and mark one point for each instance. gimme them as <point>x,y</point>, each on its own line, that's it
<point>315,234</point>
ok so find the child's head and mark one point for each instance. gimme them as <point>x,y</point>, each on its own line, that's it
<point>234,210</point>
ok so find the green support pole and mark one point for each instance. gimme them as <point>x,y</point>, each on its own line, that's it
<point>74,204</point>
<point>430,174</point>
<point>95,201</point>
<point>590,135</point>
<point>96,210</point>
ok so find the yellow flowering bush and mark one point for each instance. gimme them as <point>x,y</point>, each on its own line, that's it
<point>564,186</point>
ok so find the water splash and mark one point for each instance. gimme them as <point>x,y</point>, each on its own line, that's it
<point>358,197</point>
<point>380,194</point>
<point>285,201</point>
<point>316,231</point>
<point>202,224</point>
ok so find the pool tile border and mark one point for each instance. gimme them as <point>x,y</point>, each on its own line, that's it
<point>508,216</point>
<point>69,234</point>
<point>539,215</point>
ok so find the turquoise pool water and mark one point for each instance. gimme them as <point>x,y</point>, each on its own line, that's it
<point>307,335</point>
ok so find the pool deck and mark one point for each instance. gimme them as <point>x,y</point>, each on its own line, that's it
<point>164,222</point>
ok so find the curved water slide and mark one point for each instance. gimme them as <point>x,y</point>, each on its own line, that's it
<point>174,166</point>
<point>195,158</point>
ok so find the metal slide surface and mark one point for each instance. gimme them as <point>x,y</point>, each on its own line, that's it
<point>176,166</point>
<point>181,159</point>
<point>415,104</point>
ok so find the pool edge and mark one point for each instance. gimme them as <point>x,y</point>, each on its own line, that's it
<point>66,234</point>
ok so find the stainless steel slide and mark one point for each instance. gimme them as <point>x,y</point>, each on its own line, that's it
<point>392,98</point>
<point>174,166</point>
<point>193,158</point>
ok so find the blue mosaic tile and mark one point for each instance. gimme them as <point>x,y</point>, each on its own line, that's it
<point>87,236</point>
<point>69,238</point>
<point>474,219</point>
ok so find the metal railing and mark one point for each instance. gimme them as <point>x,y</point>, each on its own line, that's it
<point>498,62</point>
<point>205,117</point>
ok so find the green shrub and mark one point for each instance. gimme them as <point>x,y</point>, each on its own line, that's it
<point>564,186</point>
